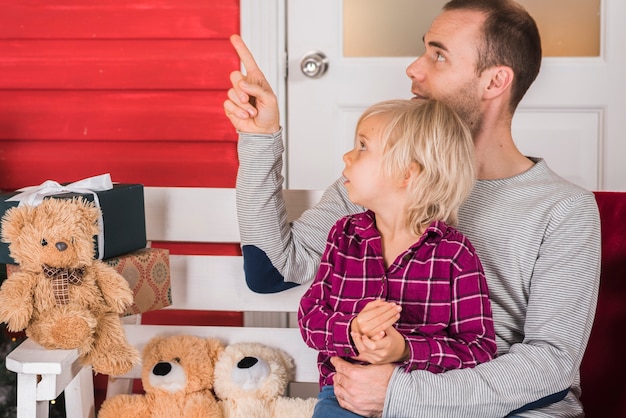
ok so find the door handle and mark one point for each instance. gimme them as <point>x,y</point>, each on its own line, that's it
<point>314,64</point>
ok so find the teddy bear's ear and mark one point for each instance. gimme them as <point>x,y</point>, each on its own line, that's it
<point>89,212</point>
<point>152,344</point>
<point>214,347</point>
<point>14,220</point>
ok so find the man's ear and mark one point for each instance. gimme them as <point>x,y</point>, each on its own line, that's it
<point>500,80</point>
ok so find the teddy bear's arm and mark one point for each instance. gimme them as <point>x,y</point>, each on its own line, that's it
<point>114,287</point>
<point>293,407</point>
<point>16,300</point>
<point>202,404</point>
<point>121,406</point>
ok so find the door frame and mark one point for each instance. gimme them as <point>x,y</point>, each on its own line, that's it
<point>263,28</point>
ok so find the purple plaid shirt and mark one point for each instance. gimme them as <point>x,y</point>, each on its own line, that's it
<point>438,281</point>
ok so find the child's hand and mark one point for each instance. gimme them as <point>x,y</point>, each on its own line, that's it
<point>389,349</point>
<point>375,318</point>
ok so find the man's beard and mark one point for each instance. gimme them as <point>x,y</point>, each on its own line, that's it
<point>465,104</point>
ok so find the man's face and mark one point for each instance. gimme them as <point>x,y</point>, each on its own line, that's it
<point>447,69</point>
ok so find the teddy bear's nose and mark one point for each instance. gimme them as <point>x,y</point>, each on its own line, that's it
<point>247,362</point>
<point>161,369</point>
<point>61,246</point>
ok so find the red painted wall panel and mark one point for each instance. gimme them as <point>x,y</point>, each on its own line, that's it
<point>114,115</point>
<point>118,19</point>
<point>167,164</point>
<point>134,88</point>
<point>116,64</point>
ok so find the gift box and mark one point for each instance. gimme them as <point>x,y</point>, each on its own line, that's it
<point>147,272</point>
<point>122,207</point>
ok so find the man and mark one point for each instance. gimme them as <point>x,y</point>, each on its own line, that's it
<point>537,235</point>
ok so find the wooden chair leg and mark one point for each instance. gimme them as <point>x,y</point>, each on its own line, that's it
<point>42,375</point>
<point>79,396</point>
<point>27,404</point>
<point>117,386</point>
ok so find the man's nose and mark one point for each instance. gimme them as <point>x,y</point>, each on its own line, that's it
<point>414,71</point>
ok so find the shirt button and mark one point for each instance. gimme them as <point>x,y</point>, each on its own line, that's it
<point>346,350</point>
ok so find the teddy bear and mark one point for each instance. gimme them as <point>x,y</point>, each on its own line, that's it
<point>177,377</point>
<point>251,379</point>
<point>61,295</point>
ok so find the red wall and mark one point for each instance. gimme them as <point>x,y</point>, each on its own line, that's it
<point>132,88</point>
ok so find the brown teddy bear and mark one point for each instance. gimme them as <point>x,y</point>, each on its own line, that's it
<point>177,376</point>
<point>251,379</point>
<point>61,295</point>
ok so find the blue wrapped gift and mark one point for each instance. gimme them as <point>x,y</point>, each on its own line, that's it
<point>122,205</point>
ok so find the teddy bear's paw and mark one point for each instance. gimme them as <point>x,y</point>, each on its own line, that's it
<point>123,405</point>
<point>16,320</point>
<point>15,308</point>
<point>117,360</point>
<point>63,332</point>
<point>124,299</point>
<point>73,333</point>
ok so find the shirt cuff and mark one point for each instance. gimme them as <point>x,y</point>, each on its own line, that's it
<point>252,135</point>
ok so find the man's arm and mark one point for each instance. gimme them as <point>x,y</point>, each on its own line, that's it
<point>289,253</point>
<point>276,251</point>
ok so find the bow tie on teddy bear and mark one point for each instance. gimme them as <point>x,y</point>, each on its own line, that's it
<point>61,280</point>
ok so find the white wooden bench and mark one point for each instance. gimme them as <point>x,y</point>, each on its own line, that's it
<point>200,282</point>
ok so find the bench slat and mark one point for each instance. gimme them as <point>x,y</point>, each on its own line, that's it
<point>218,283</point>
<point>205,214</point>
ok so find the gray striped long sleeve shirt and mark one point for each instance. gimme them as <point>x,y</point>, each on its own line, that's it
<point>538,237</point>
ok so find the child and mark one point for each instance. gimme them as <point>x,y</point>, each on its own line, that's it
<point>396,283</point>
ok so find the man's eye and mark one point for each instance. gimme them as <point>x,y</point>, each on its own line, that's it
<point>362,146</point>
<point>439,57</point>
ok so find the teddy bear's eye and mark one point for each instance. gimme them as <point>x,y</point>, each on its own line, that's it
<point>44,242</point>
<point>177,359</point>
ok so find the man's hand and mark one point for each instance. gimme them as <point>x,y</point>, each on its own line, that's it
<point>251,105</point>
<point>361,389</point>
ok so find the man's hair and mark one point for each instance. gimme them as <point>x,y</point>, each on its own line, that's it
<point>510,38</point>
<point>431,135</point>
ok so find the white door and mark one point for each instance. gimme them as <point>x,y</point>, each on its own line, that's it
<point>574,115</point>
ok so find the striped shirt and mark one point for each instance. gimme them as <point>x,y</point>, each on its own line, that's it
<point>538,238</point>
<point>438,281</point>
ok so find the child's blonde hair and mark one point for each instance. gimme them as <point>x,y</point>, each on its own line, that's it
<point>433,136</point>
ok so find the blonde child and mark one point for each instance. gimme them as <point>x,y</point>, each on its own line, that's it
<point>397,283</point>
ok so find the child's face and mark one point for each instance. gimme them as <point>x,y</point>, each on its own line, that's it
<point>364,180</point>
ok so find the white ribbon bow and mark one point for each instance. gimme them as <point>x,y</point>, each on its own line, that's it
<point>34,195</point>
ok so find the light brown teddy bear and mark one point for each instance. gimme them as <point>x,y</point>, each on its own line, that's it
<point>61,295</point>
<point>251,379</point>
<point>177,376</point>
